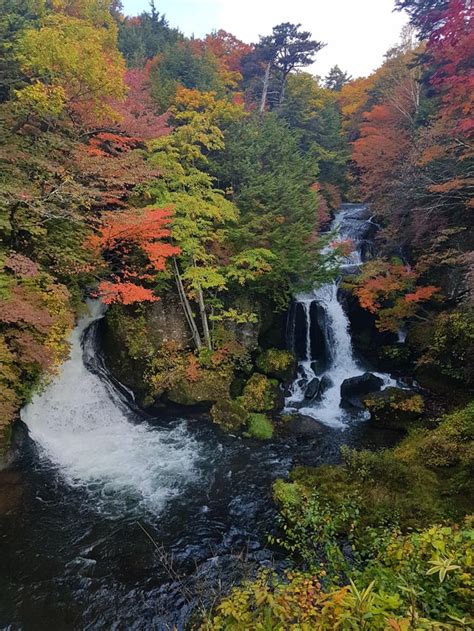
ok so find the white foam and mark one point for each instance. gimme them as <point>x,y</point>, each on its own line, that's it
<point>81,424</point>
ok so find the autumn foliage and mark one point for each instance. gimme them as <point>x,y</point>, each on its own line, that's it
<point>133,245</point>
<point>389,291</point>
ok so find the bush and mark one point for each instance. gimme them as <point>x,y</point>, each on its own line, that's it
<point>450,350</point>
<point>260,394</point>
<point>276,363</point>
<point>418,581</point>
<point>259,426</point>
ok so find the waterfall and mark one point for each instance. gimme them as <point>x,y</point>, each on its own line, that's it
<point>307,311</point>
<point>82,424</point>
<point>352,225</point>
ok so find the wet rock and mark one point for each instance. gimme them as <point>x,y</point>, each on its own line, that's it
<point>229,414</point>
<point>394,408</point>
<point>304,426</point>
<point>354,388</point>
<point>324,384</point>
<point>11,491</point>
<point>312,389</point>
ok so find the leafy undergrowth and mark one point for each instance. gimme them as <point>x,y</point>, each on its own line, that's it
<point>381,541</point>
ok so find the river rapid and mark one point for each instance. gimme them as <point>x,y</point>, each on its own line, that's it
<point>111,518</point>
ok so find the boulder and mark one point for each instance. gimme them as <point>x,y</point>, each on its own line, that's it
<point>324,384</point>
<point>312,389</point>
<point>354,388</point>
<point>394,408</point>
<point>209,387</point>
<point>303,426</point>
<point>230,415</point>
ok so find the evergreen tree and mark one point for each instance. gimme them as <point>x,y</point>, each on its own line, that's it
<point>336,79</point>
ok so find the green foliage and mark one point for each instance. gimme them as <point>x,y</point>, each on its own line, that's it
<point>182,64</point>
<point>269,180</point>
<point>418,581</point>
<point>276,363</point>
<point>450,348</point>
<point>394,407</point>
<point>260,394</point>
<point>143,37</point>
<point>78,63</point>
<point>312,113</point>
<point>259,426</point>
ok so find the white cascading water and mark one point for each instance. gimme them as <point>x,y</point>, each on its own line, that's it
<point>81,424</point>
<point>343,365</point>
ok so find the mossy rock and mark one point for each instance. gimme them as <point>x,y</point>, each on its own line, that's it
<point>260,394</point>
<point>229,415</point>
<point>209,387</point>
<point>394,408</point>
<point>259,426</point>
<point>276,363</point>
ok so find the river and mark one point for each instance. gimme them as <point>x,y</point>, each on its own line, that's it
<point>120,519</point>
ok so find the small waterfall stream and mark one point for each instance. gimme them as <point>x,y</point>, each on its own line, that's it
<point>352,223</point>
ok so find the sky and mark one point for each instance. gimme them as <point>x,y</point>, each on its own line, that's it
<point>357,33</point>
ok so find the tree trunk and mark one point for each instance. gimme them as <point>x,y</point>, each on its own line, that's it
<point>205,324</point>
<point>266,82</point>
<point>186,306</point>
<point>282,91</point>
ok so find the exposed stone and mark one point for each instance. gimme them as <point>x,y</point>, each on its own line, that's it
<point>312,390</point>
<point>354,388</point>
<point>324,384</point>
<point>300,425</point>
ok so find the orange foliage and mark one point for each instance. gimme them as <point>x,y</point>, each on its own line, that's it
<point>450,47</point>
<point>192,369</point>
<point>383,143</point>
<point>124,293</point>
<point>132,243</point>
<point>390,292</point>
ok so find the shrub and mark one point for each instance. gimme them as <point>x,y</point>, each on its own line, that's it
<point>276,363</point>
<point>260,394</point>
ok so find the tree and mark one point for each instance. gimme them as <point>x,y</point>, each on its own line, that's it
<point>141,38</point>
<point>187,64</point>
<point>281,52</point>
<point>71,64</point>
<point>389,291</point>
<point>202,213</point>
<point>313,112</point>
<point>138,111</point>
<point>336,79</point>
<point>132,244</point>
<point>424,14</point>
<point>271,182</point>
